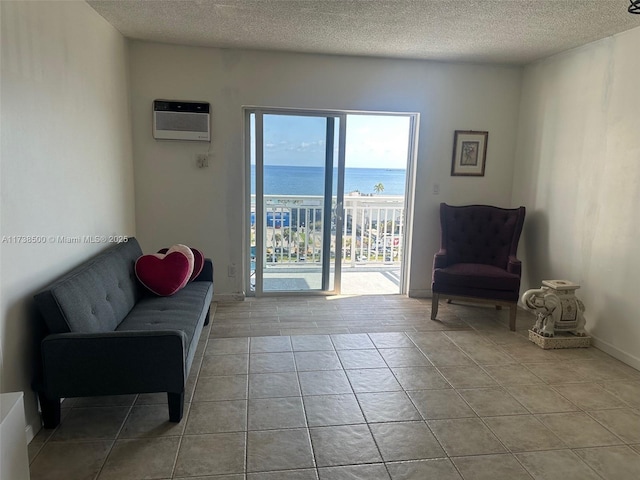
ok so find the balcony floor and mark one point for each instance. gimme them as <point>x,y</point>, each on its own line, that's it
<point>357,280</point>
<point>368,281</point>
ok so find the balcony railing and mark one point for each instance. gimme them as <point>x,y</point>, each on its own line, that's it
<point>372,230</point>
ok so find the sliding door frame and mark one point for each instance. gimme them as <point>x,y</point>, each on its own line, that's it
<point>331,116</point>
<point>409,202</point>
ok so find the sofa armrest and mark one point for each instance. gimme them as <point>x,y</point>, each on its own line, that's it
<point>440,259</point>
<point>206,275</point>
<point>113,363</point>
<point>514,265</point>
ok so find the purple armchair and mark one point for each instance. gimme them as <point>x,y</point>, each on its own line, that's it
<point>477,258</point>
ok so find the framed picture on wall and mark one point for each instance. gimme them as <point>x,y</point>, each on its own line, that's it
<point>469,153</point>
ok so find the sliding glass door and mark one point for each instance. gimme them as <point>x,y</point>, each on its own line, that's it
<point>297,180</point>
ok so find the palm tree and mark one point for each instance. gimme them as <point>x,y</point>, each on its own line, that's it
<point>378,188</point>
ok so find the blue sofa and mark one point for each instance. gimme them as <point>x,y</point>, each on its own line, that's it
<point>107,335</point>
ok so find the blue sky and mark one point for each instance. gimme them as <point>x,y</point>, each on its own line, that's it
<point>378,141</point>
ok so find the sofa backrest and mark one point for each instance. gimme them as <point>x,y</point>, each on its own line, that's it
<point>480,233</point>
<point>95,296</point>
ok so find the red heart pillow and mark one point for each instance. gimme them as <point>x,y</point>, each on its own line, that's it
<point>163,274</point>
<point>198,261</point>
<point>186,251</point>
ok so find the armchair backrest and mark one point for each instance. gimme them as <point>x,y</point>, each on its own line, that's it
<point>480,233</point>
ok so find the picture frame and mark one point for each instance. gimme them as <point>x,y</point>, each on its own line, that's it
<point>469,153</point>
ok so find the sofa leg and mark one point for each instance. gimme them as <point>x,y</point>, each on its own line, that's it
<point>206,319</point>
<point>50,410</point>
<point>176,406</point>
<point>498,307</point>
<point>513,310</point>
<point>434,305</point>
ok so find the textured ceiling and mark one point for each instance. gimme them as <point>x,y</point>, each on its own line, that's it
<point>484,31</point>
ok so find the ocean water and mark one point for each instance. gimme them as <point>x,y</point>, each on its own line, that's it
<point>285,180</point>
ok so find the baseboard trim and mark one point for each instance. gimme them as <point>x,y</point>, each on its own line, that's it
<point>228,297</point>
<point>30,432</point>
<point>417,293</point>
<point>615,352</point>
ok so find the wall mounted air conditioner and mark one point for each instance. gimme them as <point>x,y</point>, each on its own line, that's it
<point>177,120</point>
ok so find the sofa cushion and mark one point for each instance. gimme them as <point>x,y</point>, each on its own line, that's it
<point>185,311</point>
<point>475,275</point>
<point>95,296</point>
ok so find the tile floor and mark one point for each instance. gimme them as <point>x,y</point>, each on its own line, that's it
<point>362,388</point>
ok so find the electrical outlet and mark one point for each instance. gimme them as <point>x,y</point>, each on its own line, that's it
<point>231,270</point>
<point>202,160</point>
<point>436,188</point>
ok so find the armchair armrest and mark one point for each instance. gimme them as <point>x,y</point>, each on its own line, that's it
<point>206,275</point>
<point>514,265</point>
<point>440,259</point>
<point>113,363</point>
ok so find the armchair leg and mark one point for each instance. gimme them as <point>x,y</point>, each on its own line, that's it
<point>434,305</point>
<point>176,406</point>
<point>50,410</point>
<point>513,310</point>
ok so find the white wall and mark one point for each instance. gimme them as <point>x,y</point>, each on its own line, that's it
<point>66,158</point>
<point>177,202</point>
<point>578,172</point>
